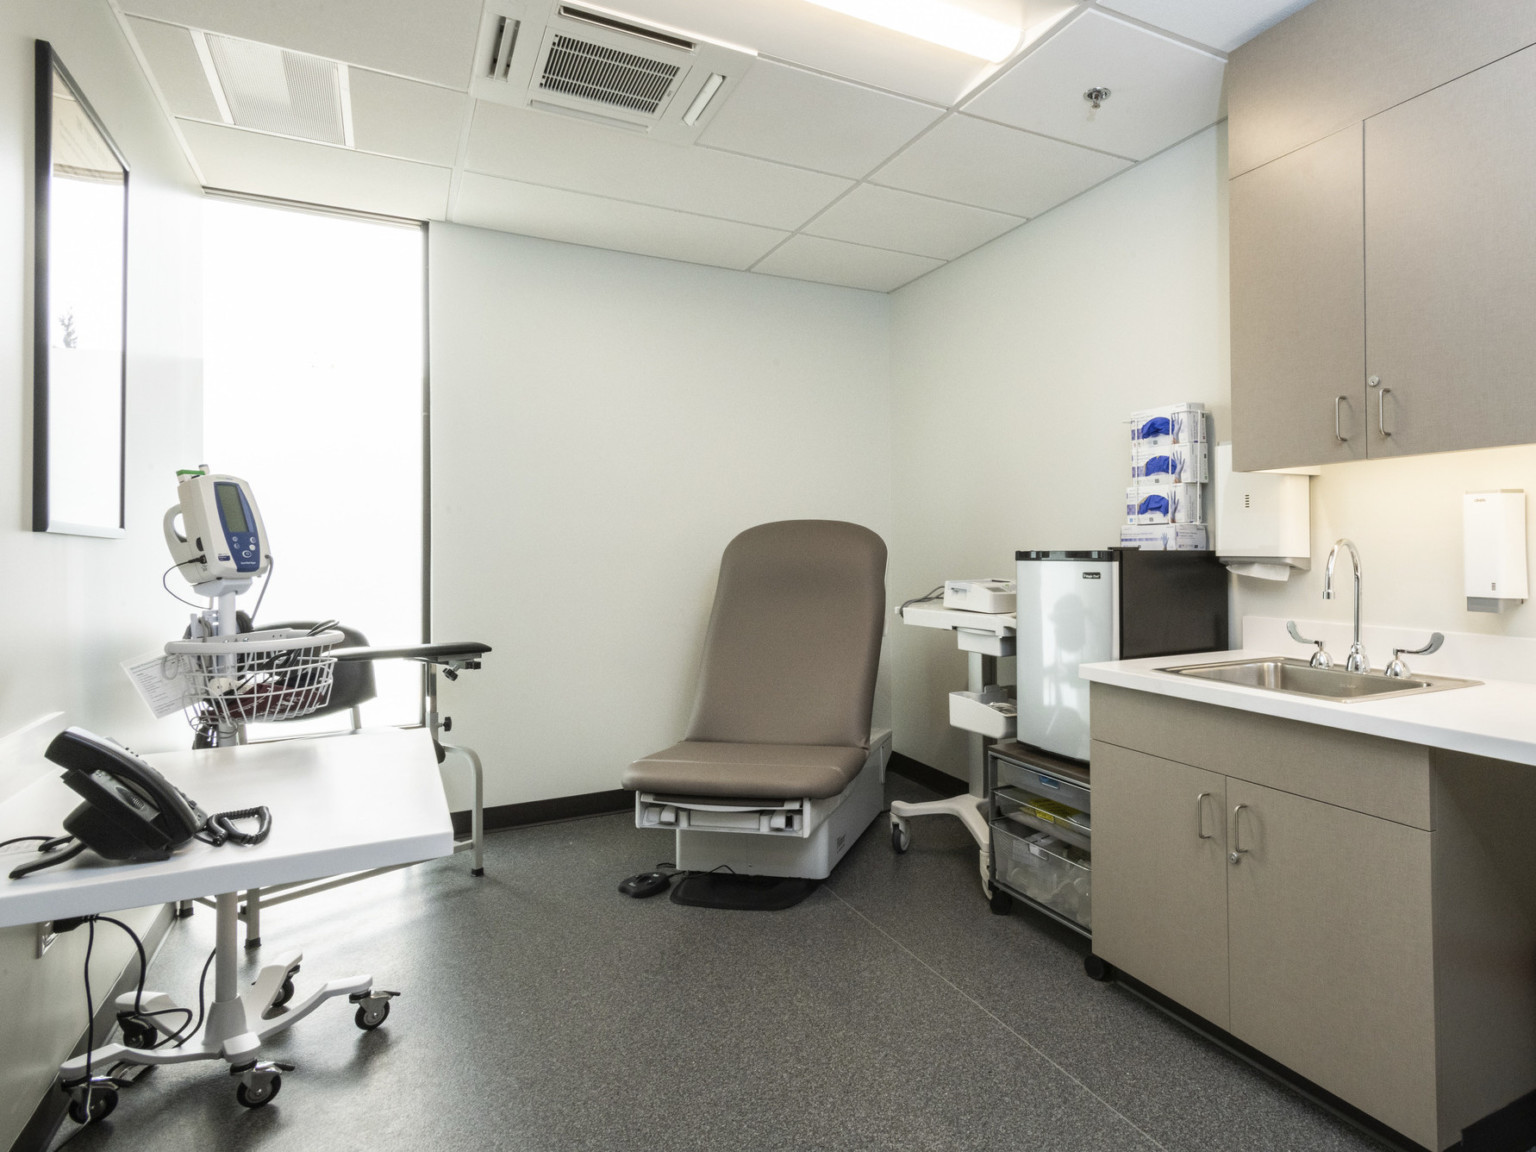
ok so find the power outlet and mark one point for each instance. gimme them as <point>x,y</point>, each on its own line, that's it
<point>45,937</point>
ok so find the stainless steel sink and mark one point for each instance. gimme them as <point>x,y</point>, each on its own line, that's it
<point>1298,678</point>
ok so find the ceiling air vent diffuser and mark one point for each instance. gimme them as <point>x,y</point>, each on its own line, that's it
<point>604,66</point>
<point>590,71</point>
<point>271,89</point>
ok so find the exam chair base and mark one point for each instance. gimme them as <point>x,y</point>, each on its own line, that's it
<point>830,827</point>
<point>238,1022</point>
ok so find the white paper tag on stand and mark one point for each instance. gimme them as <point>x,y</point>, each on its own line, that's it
<point>161,685</point>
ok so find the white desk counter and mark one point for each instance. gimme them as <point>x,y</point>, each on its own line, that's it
<point>339,804</point>
<point>1496,719</point>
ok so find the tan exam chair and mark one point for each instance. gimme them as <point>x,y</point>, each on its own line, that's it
<point>779,773</point>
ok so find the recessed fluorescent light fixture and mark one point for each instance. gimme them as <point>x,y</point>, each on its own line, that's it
<point>941,22</point>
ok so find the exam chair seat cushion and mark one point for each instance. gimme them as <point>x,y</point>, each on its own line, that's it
<point>748,771</point>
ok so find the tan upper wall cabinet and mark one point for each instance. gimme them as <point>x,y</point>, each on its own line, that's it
<point>1298,308</point>
<point>1450,253</point>
<point>1336,62</point>
<point>1382,229</point>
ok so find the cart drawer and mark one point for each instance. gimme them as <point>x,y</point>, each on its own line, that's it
<point>1039,782</point>
<point>1057,877</point>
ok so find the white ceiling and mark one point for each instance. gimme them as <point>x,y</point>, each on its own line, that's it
<point>846,154</point>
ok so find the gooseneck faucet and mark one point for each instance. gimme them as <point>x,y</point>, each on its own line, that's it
<point>1357,661</point>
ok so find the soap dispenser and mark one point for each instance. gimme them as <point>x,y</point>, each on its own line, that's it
<point>1496,574</point>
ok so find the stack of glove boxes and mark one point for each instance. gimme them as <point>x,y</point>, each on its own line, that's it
<point>1170,469</point>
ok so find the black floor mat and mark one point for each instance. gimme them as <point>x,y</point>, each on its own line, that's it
<point>741,893</point>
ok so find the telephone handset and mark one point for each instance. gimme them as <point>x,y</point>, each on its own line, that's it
<point>130,811</point>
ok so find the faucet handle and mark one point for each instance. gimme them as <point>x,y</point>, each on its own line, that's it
<point>1320,658</point>
<point>1399,669</point>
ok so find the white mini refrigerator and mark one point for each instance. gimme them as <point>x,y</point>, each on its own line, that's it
<point>1078,608</point>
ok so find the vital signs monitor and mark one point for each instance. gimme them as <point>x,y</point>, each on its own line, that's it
<point>222,536</point>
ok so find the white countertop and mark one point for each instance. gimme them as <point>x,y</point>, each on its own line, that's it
<point>1496,719</point>
<point>339,804</point>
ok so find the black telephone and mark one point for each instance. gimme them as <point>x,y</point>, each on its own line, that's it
<point>130,811</point>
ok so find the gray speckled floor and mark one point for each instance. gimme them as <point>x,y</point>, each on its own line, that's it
<point>544,1011</point>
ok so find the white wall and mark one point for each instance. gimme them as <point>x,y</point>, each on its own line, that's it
<point>603,424</point>
<point>1015,371</point>
<point>72,607</point>
<point>1405,516</point>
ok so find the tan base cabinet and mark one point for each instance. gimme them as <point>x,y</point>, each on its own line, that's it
<point>1328,920</point>
<point>1330,931</point>
<point>1160,876</point>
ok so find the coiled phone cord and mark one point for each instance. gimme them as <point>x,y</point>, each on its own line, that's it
<point>221,827</point>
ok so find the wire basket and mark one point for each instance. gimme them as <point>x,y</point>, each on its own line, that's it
<point>280,674</point>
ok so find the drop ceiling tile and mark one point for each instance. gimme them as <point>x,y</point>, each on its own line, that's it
<point>851,265</point>
<point>1223,26</point>
<point>564,152</point>
<point>907,222</point>
<point>431,41</point>
<point>577,218</point>
<point>243,161</point>
<point>405,118</point>
<point>798,117</point>
<point>173,62</point>
<point>989,166</point>
<point>1160,90</point>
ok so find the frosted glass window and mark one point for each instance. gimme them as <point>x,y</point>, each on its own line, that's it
<point>313,392</point>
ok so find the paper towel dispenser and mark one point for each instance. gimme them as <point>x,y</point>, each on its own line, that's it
<point>1263,520</point>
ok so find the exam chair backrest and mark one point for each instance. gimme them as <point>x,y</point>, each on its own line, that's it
<point>794,637</point>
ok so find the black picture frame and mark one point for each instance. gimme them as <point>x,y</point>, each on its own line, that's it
<point>48,415</point>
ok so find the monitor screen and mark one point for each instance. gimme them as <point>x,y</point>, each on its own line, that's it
<point>231,510</point>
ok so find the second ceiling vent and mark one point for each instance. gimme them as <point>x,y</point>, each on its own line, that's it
<point>604,66</point>
<point>271,89</point>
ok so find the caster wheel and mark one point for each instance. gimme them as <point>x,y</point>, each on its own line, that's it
<point>370,1018</point>
<point>1098,968</point>
<point>137,1034</point>
<point>258,1097</point>
<point>1001,903</point>
<point>103,1099</point>
<point>284,994</point>
<point>901,839</point>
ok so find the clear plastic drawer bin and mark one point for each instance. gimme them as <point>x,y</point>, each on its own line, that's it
<point>1043,868</point>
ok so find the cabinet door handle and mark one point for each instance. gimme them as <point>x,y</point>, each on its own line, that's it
<point>1200,816</point>
<point>1338,431</point>
<point>1238,851</point>
<point>1381,405</point>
